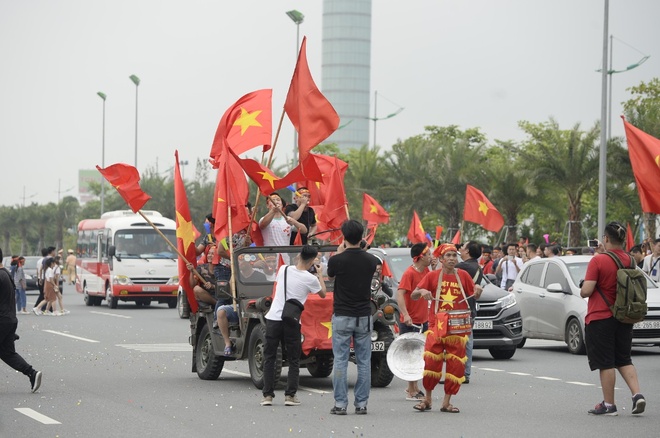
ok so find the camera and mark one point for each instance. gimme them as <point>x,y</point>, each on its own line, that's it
<point>593,243</point>
<point>312,270</point>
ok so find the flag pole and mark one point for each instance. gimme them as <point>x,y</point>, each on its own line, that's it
<point>232,279</point>
<point>197,274</point>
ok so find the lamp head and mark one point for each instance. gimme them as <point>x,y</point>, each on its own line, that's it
<point>135,79</point>
<point>102,95</point>
<point>296,16</point>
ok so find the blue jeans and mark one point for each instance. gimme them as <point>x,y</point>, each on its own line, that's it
<point>359,329</point>
<point>468,352</point>
<point>21,299</point>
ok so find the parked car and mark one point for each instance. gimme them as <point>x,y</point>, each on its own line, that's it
<point>548,291</point>
<point>498,324</point>
<point>30,269</point>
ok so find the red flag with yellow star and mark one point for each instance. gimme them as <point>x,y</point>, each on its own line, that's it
<point>478,209</point>
<point>262,176</point>
<point>126,179</point>
<point>185,234</point>
<point>416,233</point>
<point>317,188</point>
<point>231,189</point>
<point>644,151</point>
<point>310,112</point>
<point>334,211</point>
<point>245,124</point>
<point>316,323</point>
<point>372,212</point>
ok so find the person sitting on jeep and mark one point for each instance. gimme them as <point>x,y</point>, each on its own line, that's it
<point>204,292</point>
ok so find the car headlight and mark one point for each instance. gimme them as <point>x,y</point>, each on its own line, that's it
<point>123,280</point>
<point>173,280</point>
<point>508,301</point>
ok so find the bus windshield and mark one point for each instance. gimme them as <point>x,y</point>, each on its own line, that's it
<point>144,244</point>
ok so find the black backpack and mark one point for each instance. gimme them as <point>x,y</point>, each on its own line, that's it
<point>630,304</point>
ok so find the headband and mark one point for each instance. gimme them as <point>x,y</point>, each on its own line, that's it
<point>444,249</point>
<point>424,251</point>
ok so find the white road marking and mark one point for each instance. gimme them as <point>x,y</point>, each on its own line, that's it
<point>492,369</point>
<point>546,378</point>
<point>157,348</point>
<point>41,418</point>
<point>71,336</point>
<point>581,383</point>
<point>519,374</point>
<point>302,388</point>
<point>110,314</point>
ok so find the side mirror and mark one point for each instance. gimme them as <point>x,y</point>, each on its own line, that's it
<point>556,288</point>
<point>112,250</point>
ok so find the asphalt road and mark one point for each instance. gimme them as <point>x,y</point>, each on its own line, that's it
<point>127,372</point>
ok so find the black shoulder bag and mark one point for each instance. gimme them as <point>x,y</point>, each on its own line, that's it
<point>292,308</point>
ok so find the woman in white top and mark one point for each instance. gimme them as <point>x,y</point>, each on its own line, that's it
<point>50,288</point>
<point>275,225</point>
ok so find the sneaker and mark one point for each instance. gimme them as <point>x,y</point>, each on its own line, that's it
<point>35,380</point>
<point>37,311</point>
<point>47,313</point>
<point>601,409</point>
<point>65,312</point>
<point>267,401</point>
<point>338,411</point>
<point>639,404</point>
<point>361,411</point>
<point>467,380</point>
<point>291,400</point>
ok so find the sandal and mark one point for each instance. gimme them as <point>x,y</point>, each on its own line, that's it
<point>422,406</point>
<point>414,397</point>
<point>451,409</point>
<point>228,351</point>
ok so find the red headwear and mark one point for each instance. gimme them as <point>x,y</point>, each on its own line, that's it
<point>443,249</point>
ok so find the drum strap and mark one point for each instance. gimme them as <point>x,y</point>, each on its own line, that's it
<point>439,289</point>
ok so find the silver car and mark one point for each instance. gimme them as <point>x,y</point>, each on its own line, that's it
<point>548,293</point>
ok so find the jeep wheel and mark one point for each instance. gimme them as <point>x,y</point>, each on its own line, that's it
<point>381,376</point>
<point>322,367</point>
<point>575,337</point>
<point>256,357</point>
<point>501,353</point>
<point>208,365</point>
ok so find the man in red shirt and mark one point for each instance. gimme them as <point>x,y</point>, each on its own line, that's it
<point>608,340</point>
<point>413,312</point>
<point>449,288</point>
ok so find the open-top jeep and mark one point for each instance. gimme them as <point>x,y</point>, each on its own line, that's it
<point>253,299</point>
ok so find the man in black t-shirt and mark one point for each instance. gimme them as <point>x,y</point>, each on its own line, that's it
<point>303,213</point>
<point>352,269</point>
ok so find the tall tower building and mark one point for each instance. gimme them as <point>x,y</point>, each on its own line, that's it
<point>346,68</point>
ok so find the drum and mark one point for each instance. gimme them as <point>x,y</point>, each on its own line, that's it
<point>459,322</point>
<point>405,357</point>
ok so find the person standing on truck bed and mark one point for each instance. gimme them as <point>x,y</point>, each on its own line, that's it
<point>299,283</point>
<point>352,268</point>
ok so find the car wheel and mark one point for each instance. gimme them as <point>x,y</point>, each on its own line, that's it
<point>208,364</point>
<point>575,337</point>
<point>111,301</point>
<point>256,357</point>
<point>322,367</point>
<point>502,353</point>
<point>522,343</point>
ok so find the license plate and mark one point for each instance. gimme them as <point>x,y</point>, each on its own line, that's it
<point>150,289</point>
<point>375,346</point>
<point>647,325</point>
<point>483,325</point>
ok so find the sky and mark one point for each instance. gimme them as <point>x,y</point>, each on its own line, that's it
<point>477,63</point>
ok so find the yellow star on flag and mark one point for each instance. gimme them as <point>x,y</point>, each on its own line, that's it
<point>184,231</point>
<point>440,324</point>
<point>247,119</point>
<point>269,177</point>
<point>373,209</point>
<point>483,207</point>
<point>221,200</point>
<point>328,325</point>
<point>448,298</point>
<point>657,160</point>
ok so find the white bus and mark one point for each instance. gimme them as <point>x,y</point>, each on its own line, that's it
<point>121,257</point>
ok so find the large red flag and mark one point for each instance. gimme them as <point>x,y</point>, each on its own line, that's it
<point>416,233</point>
<point>262,176</point>
<point>644,151</point>
<point>317,189</point>
<point>185,234</point>
<point>310,112</point>
<point>478,209</point>
<point>231,189</point>
<point>126,179</point>
<point>630,240</point>
<point>245,124</point>
<point>373,212</point>
<point>334,211</point>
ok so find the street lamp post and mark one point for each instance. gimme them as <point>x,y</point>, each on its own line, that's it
<point>103,96</point>
<point>183,163</point>
<point>375,118</point>
<point>297,17</point>
<point>136,81</point>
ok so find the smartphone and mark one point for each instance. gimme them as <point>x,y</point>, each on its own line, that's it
<point>592,243</point>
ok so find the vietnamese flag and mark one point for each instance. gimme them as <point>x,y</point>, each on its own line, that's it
<point>262,176</point>
<point>334,211</point>
<point>630,240</point>
<point>317,189</point>
<point>438,232</point>
<point>316,323</point>
<point>371,233</point>
<point>307,170</point>
<point>644,151</point>
<point>126,179</point>
<point>457,238</point>
<point>185,234</point>
<point>245,124</point>
<point>230,198</point>
<point>478,209</point>
<point>372,212</point>
<point>416,233</point>
<point>310,112</point>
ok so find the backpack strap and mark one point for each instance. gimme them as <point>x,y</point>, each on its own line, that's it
<point>619,263</point>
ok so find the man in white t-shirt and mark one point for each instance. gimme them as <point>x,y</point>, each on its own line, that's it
<point>509,266</point>
<point>652,262</point>
<point>299,283</point>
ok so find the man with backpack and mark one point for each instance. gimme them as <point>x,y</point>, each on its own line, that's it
<point>608,339</point>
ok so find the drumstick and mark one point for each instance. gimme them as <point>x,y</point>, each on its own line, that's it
<point>449,301</point>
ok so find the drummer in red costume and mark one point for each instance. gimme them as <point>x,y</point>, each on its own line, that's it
<point>442,345</point>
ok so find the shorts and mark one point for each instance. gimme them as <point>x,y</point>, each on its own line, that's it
<point>608,344</point>
<point>403,328</point>
<point>232,315</point>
